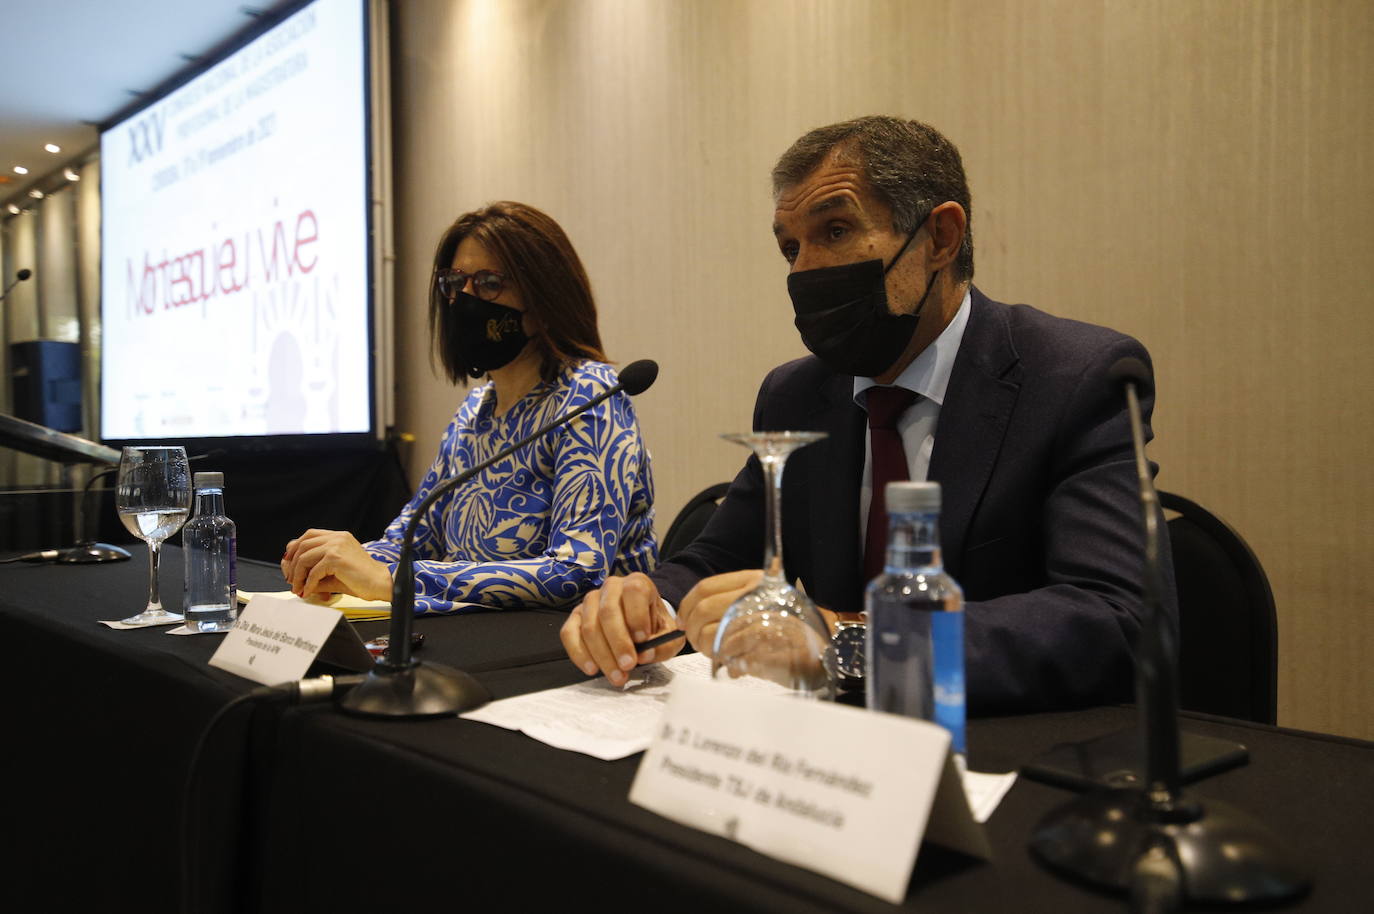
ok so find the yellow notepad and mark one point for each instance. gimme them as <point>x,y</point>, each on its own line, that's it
<point>354,608</point>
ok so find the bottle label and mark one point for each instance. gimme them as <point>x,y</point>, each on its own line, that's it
<point>947,639</point>
<point>915,658</point>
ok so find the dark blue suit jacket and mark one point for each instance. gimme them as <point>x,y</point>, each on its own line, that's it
<point>1041,521</point>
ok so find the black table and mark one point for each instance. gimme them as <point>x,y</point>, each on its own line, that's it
<point>101,725</point>
<point>299,815</point>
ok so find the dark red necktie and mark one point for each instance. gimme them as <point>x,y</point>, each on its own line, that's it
<point>885,406</point>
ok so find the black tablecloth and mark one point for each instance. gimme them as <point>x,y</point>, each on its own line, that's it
<point>102,723</point>
<point>307,810</point>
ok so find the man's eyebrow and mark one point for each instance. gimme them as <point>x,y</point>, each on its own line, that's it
<point>839,201</point>
<point>836,202</point>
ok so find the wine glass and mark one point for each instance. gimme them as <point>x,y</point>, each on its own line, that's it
<point>774,632</point>
<point>153,496</point>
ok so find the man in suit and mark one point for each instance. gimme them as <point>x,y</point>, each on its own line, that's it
<point>1009,408</point>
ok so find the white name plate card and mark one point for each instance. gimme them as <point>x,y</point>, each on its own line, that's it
<point>276,640</point>
<point>838,790</point>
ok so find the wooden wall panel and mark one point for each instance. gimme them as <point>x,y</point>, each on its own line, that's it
<point>22,323</point>
<point>57,267</point>
<point>1197,174</point>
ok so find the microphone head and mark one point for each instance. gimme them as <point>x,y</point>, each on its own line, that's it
<point>638,377</point>
<point>1130,370</point>
<point>23,274</point>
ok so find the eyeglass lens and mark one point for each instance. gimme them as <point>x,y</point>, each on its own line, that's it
<point>486,284</point>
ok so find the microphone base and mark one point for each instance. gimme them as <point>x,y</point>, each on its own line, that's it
<point>92,553</point>
<point>1114,761</point>
<point>422,690</point>
<point>1223,856</point>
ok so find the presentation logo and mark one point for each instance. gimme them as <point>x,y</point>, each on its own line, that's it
<point>145,136</point>
<point>223,267</point>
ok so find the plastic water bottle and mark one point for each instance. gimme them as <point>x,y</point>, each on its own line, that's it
<point>210,545</point>
<point>915,648</point>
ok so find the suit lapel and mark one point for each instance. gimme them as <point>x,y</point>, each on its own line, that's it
<point>982,392</point>
<point>837,463</point>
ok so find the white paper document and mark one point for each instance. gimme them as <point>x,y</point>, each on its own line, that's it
<point>985,791</point>
<point>595,717</point>
<point>605,722</point>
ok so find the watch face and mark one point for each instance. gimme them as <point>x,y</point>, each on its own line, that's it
<point>849,649</point>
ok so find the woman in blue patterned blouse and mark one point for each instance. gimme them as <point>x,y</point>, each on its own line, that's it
<point>509,300</point>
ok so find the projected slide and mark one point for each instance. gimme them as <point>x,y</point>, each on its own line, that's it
<point>234,277</point>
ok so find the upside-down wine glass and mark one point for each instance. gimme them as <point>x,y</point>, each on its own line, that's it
<point>774,632</point>
<point>153,496</point>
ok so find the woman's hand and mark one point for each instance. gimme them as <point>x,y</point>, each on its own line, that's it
<point>320,563</point>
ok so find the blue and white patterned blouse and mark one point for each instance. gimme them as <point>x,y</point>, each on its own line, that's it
<point>548,523</point>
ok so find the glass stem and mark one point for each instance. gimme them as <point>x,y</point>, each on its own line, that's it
<point>154,598</point>
<point>772,550</point>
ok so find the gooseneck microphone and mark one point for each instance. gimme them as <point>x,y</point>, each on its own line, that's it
<point>1150,840</point>
<point>18,278</point>
<point>399,685</point>
<point>1156,668</point>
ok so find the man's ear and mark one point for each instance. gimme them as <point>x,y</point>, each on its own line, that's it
<point>947,224</point>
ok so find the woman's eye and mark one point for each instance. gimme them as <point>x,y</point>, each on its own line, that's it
<point>837,231</point>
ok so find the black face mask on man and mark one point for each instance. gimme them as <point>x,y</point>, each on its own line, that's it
<point>843,317</point>
<point>488,335</point>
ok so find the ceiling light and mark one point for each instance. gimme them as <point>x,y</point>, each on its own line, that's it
<point>14,210</point>
<point>20,170</point>
<point>70,175</point>
<point>36,194</point>
<point>53,148</point>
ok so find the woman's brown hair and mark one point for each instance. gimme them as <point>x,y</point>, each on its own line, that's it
<point>537,257</point>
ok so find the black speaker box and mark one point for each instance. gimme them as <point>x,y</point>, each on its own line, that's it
<point>46,381</point>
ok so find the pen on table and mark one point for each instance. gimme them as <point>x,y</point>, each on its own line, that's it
<point>666,638</point>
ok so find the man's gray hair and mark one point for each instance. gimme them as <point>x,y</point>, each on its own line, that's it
<point>911,166</point>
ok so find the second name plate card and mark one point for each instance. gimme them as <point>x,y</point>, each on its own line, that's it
<point>838,790</point>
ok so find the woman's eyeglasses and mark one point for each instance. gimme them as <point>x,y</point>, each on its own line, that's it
<point>486,284</point>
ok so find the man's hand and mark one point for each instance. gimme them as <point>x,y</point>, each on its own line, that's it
<point>600,634</point>
<point>705,603</point>
<point>320,563</point>
<point>790,656</point>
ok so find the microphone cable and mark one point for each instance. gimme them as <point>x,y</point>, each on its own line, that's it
<point>303,691</point>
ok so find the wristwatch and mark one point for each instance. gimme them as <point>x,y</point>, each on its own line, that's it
<point>851,631</point>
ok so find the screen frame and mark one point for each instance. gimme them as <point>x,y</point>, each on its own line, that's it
<point>294,442</point>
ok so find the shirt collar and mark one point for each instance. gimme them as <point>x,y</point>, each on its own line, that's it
<point>928,373</point>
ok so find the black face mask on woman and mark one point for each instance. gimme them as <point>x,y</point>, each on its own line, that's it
<point>488,335</point>
<point>843,317</point>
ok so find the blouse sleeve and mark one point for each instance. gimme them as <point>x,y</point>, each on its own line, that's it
<point>428,539</point>
<point>600,476</point>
